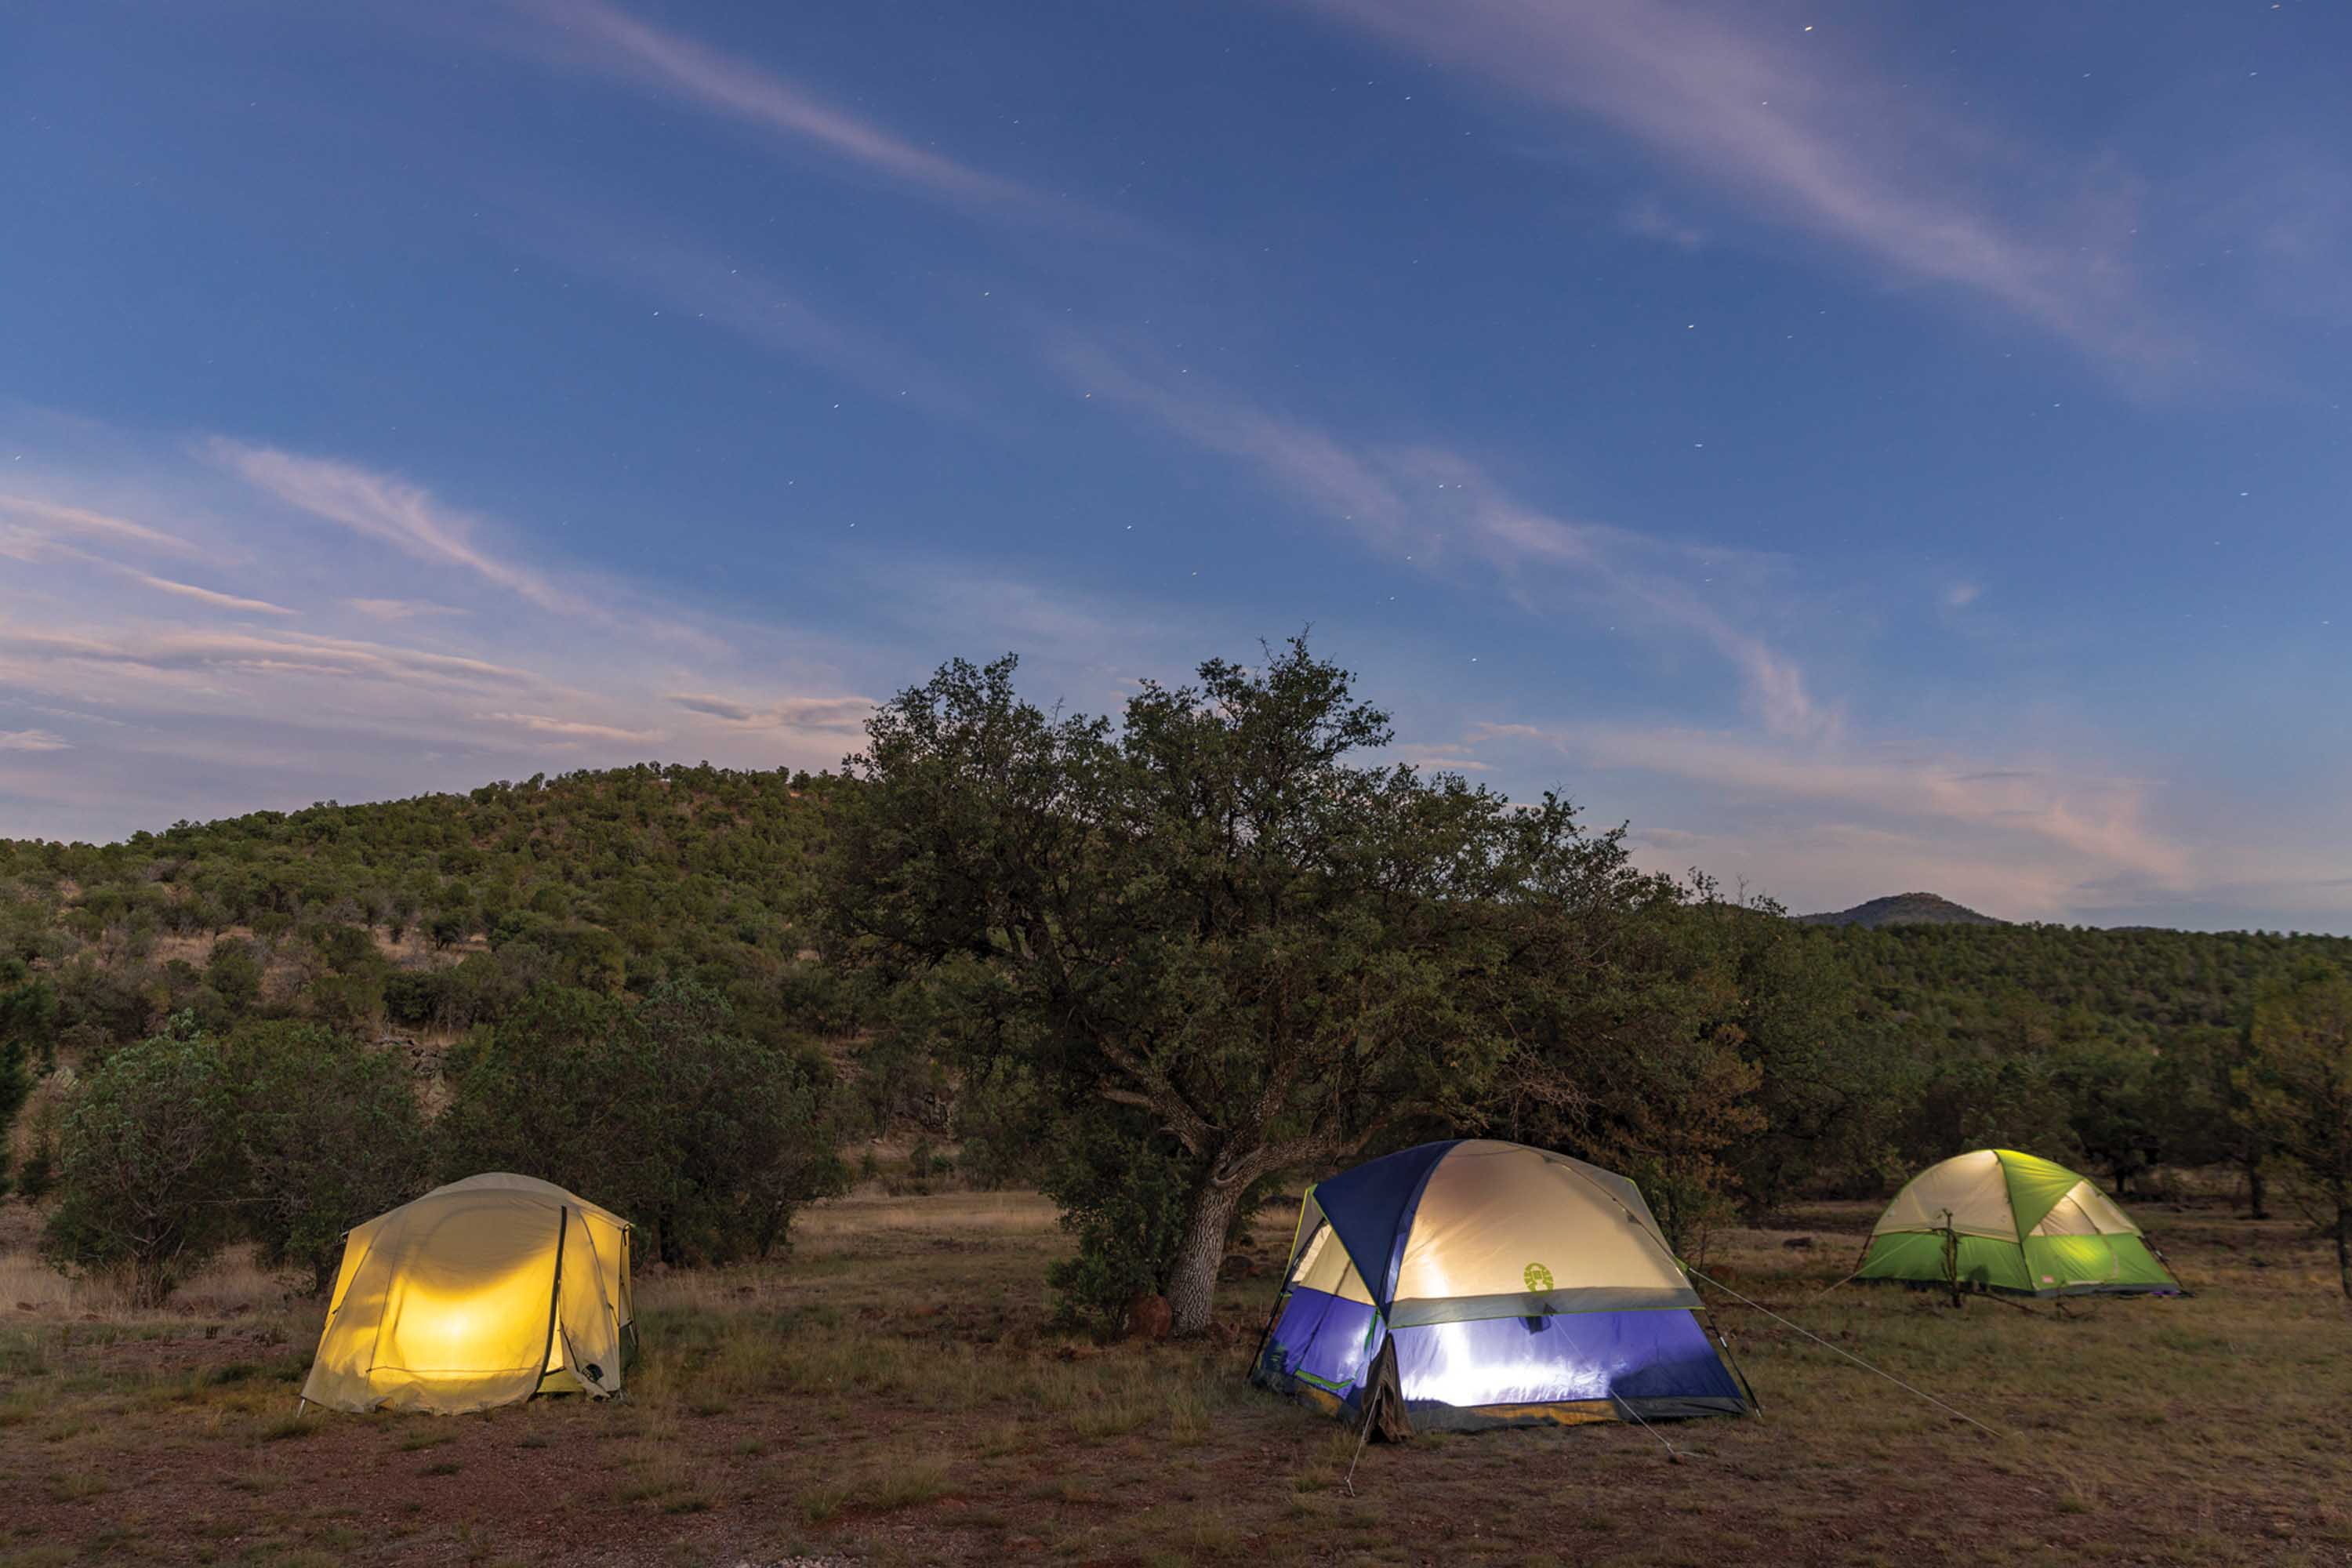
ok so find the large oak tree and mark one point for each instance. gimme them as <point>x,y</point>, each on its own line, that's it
<point>1210,938</point>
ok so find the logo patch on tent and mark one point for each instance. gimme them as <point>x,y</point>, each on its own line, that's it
<point>1537,1276</point>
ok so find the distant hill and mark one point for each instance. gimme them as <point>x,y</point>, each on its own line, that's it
<point>1904,909</point>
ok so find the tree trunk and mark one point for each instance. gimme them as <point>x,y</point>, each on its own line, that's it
<point>2257,1189</point>
<point>151,1279</point>
<point>2344,1243</point>
<point>1192,1280</point>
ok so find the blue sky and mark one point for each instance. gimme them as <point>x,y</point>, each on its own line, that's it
<point>1864,448</point>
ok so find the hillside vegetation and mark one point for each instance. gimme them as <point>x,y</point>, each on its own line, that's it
<point>435,913</point>
<point>745,969</point>
<point>426,916</point>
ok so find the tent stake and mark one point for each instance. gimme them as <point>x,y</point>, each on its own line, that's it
<point>1363,1435</point>
<point>1673,1455</point>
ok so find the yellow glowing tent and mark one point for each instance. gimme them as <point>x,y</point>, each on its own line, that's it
<point>483,1292</point>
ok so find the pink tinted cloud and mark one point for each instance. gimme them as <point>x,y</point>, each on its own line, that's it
<point>844,715</point>
<point>49,518</point>
<point>569,729</point>
<point>399,609</point>
<point>2102,821</point>
<point>388,510</point>
<point>216,600</point>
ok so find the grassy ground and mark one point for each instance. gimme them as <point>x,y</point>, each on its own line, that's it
<point>891,1395</point>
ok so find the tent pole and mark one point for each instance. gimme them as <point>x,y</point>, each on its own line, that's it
<point>1951,1258</point>
<point>1737,1369</point>
<point>2168,1266</point>
<point>1266,1333</point>
<point>1290,1267</point>
<point>554,1295</point>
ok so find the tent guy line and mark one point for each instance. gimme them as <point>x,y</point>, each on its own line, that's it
<point>1800,1328</point>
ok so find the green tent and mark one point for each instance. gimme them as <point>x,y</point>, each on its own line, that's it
<point>1998,1220</point>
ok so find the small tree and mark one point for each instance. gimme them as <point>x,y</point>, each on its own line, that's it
<point>234,972</point>
<point>148,1170</point>
<point>332,1135</point>
<point>2298,1088</point>
<point>726,1137</point>
<point>2212,1116</point>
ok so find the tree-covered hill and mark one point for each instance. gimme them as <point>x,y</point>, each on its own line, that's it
<point>1883,1041</point>
<point>435,912</point>
<point>1903,909</point>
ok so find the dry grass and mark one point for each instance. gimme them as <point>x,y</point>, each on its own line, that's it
<point>892,1392</point>
<point>957,1214</point>
<point>231,1286</point>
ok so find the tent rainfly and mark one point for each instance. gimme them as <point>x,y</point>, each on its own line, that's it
<point>480,1293</point>
<point>1496,1285</point>
<point>1998,1220</point>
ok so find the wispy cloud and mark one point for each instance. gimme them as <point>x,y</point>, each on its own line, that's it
<point>1439,758</point>
<point>399,609</point>
<point>208,596</point>
<point>2101,823</point>
<point>174,653</point>
<point>1792,125</point>
<point>693,282</point>
<point>48,517</point>
<point>35,546</point>
<point>841,715</point>
<point>127,705</point>
<point>388,510</point>
<point>612,40</point>
<point>569,729</point>
<point>1649,219</point>
<point>1434,506</point>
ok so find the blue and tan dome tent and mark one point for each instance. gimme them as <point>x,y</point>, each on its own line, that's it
<point>1994,1219</point>
<point>1498,1284</point>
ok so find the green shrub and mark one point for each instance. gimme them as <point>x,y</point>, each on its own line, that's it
<point>148,1165</point>
<point>332,1135</point>
<point>705,1139</point>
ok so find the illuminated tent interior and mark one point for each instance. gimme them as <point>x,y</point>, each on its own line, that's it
<point>480,1293</point>
<point>1994,1219</point>
<point>1512,1285</point>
